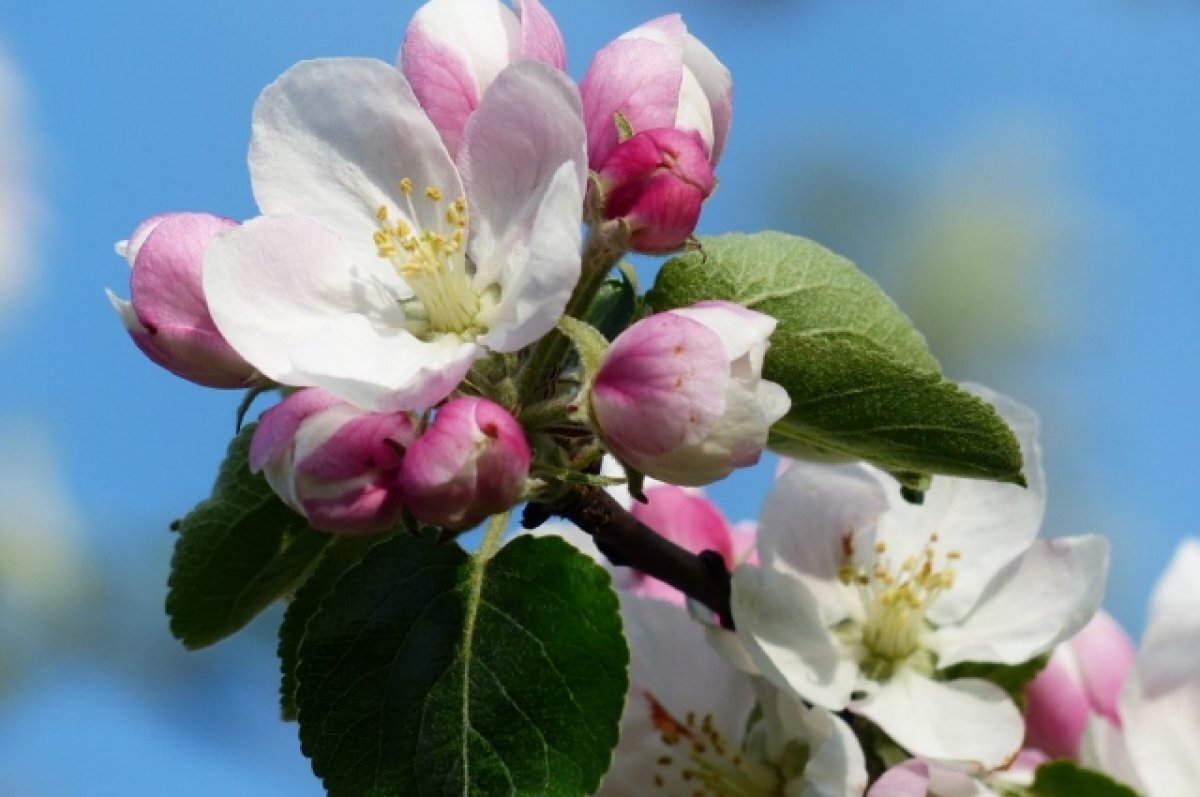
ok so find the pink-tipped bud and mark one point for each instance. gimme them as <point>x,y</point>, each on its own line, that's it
<point>691,521</point>
<point>472,462</point>
<point>680,395</point>
<point>454,49</point>
<point>1083,677</point>
<point>167,315</point>
<point>656,181</point>
<point>332,462</point>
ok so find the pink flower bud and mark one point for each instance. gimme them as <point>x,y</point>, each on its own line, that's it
<point>1084,676</point>
<point>680,395</point>
<point>332,462</point>
<point>691,521</point>
<point>470,463</point>
<point>454,49</point>
<point>656,76</point>
<point>657,180</point>
<point>167,315</point>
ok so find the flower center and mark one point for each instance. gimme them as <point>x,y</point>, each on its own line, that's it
<point>897,598</point>
<point>704,760</point>
<point>432,262</point>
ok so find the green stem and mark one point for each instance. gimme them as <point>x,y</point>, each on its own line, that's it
<point>602,250</point>
<point>492,536</point>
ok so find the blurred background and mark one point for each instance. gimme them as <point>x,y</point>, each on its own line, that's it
<point>1022,177</point>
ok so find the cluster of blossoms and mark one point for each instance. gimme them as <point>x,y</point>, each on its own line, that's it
<point>408,290</point>
<point>425,218</point>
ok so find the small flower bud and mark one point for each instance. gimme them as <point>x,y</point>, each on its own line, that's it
<point>167,315</point>
<point>1083,677</point>
<point>680,395</point>
<point>332,462</point>
<point>656,181</point>
<point>470,463</point>
<point>454,49</point>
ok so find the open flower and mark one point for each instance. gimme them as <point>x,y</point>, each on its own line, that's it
<point>381,268</point>
<point>1157,749</point>
<point>864,600</point>
<point>687,730</point>
<point>454,49</point>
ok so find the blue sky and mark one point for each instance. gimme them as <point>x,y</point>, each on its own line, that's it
<point>139,107</point>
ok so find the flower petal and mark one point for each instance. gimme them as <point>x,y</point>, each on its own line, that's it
<point>836,766</point>
<point>526,129</point>
<point>1104,749</point>
<point>1162,731</point>
<point>331,140</point>
<point>1039,600</point>
<point>967,720</point>
<point>777,620</point>
<point>452,51</point>
<point>286,295</point>
<point>813,519</point>
<point>988,523</point>
<point>540,37</point>
<point>717,84</point>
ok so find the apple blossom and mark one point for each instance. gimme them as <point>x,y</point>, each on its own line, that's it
<point>1160,705</point>
<point>470,463</point>
<point>923,778</point>
<point>658,105</point>
<point>454,49</point>
<point>333,463</point>
<point>680,395</point>
<point>656,76</point>
<point>864,600</point>
<point>381,268</point>
<point>686,727</point>
<point>1083,677</point>
<point>656,182</point>
<point>167,315</point>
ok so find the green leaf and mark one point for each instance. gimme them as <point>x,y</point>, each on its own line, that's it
<point>237,552</point>
<point>340,556</point>
<point>862,383</point>
<point>613,308</point>
<point>430,672</point>
<point>1012,678</point>
<point>1067,779</point>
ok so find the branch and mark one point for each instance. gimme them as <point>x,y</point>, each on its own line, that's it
<point>627,541</point>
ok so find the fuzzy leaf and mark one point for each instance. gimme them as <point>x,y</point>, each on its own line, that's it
<point>428,672</point>
<point>238,551</point>
<point>863,384</point>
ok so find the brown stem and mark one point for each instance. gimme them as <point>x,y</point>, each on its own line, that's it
<point>627,541</point>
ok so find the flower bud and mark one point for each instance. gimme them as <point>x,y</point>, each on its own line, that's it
<point>680,395</point>
<point>332,462</point>
<point>1083,677</point>
<point>470,463</point>
<point>454,49</point>
<point>691,521</point>
<point>167,315</point>
<point>656,181</point>
<point>656,76</point>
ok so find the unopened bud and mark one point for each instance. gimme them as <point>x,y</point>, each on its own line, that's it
<point>472,462</point>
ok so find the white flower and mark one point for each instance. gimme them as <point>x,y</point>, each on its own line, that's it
<point>381,269</point>
<point>686,727</point>
<point>863,600</point>
<point>1157,749</point>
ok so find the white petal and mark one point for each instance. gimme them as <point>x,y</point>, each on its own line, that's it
<point>527,127</point>
<point>777,619</point>
<point>1170,654</point>
<point>1104,749</point>
<point>837,766</point>
<point>535,289</point>
<point>812,518</point>
<point>332,138</point>
<point>968,720</point>
<point>990,524</point>
<point>1162,731</point>
<point>486,34</point>
<point>1043,598</point>
<point>715,80</point>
